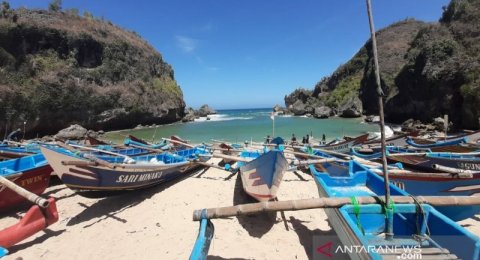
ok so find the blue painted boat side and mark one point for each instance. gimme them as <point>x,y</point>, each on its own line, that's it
<point>204,238</point>
<point>371,156</point>
<point>24,149</point>
<point>3,252</point>
<point>108,179</point>
<point>408,224</point>
<point>443,230</point>
<point>450,187</point>
<point>362,183</point>
<point>22,164</point>
<point>389,150</point>
<point>453,156</point>
<point>179,156</point>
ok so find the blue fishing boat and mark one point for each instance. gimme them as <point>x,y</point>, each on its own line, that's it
<point>426,161</point>
<point>344,146</point>
<point>135,142</point>
<point>262,175</point>
<point>85,172</point>
<point>432,184</point>
<point>419,228</point>
<point>376,153</point>
<point>427,144</point>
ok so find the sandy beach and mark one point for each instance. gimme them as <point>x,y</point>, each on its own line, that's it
<point>156,223</point>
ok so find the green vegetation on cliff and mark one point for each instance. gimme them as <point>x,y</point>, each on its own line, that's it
<point>58,68</point>
<point>427,70</point>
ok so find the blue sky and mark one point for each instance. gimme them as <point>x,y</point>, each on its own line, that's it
<point>251,53</point>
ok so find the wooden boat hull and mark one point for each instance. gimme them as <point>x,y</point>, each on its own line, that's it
<point>362,225</point>
<point>399,140</point>
<point>103,179</point>
<point>34,180</point>
<point>344,147</point>
<point>414,143</point>
<point>425,162</point>
<point>261,177</point>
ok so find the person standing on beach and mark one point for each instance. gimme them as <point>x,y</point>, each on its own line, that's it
<point>268,139</point>
<point>323,138</point>
<point>307,140</point>
<point>293,140</point>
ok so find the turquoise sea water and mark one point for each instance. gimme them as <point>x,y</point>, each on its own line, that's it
<point>250,124</point>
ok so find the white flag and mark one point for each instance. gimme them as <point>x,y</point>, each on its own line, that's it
<point>272,116</point>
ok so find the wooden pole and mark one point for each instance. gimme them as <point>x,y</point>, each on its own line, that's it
<point>99,150</point>
<point>436,175</point>
<point>90,157</point>
<point>459,172</point>
<point>147,148</point>
<point>389,230</point>
<point>209,165</point>
<point>308,162</point>
<point>230,157</point>
<point>292,205</point>
<point>24,193</point>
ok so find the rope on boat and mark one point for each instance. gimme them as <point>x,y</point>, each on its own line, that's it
<point>356,211</point>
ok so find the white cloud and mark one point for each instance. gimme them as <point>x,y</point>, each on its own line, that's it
<point>185,43</point>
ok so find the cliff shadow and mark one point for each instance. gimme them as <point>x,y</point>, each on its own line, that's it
<point>258,224</point>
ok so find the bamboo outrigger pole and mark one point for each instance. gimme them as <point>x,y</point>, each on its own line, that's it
<point>389,218</point>
<point>30,196</point>
<point>292,205</point>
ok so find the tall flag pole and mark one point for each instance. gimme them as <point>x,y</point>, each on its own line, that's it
<point>388,207</point>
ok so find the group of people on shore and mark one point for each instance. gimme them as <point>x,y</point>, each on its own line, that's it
<point>293,140</point>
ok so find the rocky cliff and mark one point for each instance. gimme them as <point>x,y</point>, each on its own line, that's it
<point>59,68</point>
<point>427,70</point>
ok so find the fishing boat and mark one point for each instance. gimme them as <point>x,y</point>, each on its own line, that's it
<point>462,148</point>
<point>425,184</point>
<point>262,175</point>
<point>417,227</point>
<point>139,143</point>
<point>361,220</point>
<point>428,161</point>
<point>470,137</point>
<point>30,172</point>
<point>419,144</point>
<point>88,174</point>
<point>397,140</point>
<point>375,153</point>
<point>345,146</point>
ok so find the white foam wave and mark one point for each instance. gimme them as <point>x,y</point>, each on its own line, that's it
<point>221,117</point>
<point>376,135</point>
